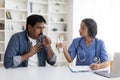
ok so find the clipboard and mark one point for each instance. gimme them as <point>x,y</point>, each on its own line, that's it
<point>77,69</point>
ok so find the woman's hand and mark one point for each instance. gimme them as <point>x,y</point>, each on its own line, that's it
<point>59,45</point>
<point>65,51</point>
<point>94,66</point>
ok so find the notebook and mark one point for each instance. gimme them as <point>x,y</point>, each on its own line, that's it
<point>76,69</point>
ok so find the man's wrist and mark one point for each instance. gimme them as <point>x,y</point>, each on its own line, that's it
<point>29,54</point>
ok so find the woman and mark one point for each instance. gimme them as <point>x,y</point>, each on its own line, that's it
<point>88,49</point>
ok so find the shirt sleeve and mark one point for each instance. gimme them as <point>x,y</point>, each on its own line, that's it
<point>16,61</point>
<point>10,59</point>
<point>104,56</point>
<point>72,49</point>
<point>53,58</point>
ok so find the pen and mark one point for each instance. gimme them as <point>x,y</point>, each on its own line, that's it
<point>84,71</point>
<point>97,62</point>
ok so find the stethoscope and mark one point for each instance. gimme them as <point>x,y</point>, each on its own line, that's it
<point>96,59</point>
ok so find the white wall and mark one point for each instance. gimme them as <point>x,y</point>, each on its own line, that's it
<point>107,15</point>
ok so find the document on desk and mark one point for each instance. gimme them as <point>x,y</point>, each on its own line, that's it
<point>76,69</point>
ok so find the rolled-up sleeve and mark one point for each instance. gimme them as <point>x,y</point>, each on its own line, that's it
<point>16,61</point>
<point>53,58</point>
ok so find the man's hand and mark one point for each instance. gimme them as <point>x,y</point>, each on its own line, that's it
<point>35,49</point>
<point>46,42</point>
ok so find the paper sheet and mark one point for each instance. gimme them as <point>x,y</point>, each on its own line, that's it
<point>79,68</point>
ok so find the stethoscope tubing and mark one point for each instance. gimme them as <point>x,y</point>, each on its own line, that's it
<point>82,60</point>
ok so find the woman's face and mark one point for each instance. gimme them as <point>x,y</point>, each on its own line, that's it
<point>83,30</point>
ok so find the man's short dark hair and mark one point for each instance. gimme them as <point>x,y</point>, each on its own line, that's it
<point>33,19</point>
<point>92,26</point>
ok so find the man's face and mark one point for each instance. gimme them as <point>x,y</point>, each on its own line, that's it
<point>36,30</point>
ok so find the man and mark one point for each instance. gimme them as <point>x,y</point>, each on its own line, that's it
<point>30,47</point>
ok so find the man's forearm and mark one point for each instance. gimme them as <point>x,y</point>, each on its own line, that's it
<point>26,56</point>
<point>17,60</point>
<point>49,53</point>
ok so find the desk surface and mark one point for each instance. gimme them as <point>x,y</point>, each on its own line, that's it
<point>47,73</point>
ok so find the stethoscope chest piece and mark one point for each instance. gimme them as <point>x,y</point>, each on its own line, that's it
<point>95,59</point>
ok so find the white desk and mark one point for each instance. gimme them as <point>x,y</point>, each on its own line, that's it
<point>47,73</point>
